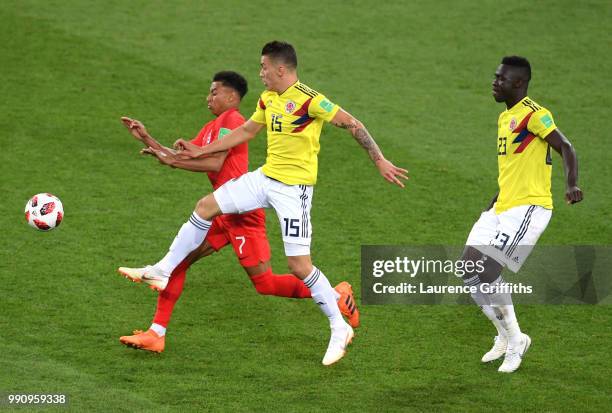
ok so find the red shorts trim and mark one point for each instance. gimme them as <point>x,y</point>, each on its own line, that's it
<point>250,244</point>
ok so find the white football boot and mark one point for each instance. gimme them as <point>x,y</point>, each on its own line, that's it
<point>341,337</point>
<point>514,356</point>
<point>500,345</point>
<point>151,275</point>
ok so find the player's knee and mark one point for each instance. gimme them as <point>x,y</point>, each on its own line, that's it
<point>491,272</point>
<point>207,207</point>
<point>486,268</point>
<point>300,269</point>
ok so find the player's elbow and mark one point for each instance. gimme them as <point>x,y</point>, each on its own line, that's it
<point>567,148</point>
<point>355,125</point>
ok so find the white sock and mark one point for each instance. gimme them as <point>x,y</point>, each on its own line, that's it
<point>189,237</point>
<point>501,302</point>
<point>159,329</point>
<point>491,315</point>
<point>324,295</point>
<point>509,323</point>
<point>484,302</point>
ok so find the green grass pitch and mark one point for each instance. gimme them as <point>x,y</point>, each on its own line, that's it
<point>418,74</point>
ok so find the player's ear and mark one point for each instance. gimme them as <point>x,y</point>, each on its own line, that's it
<point>520,82</point>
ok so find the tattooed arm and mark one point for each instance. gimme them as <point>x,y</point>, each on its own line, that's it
<point>389,171</point>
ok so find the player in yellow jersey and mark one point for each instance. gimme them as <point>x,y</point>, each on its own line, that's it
<point>518,214</point>
<point>293,115</point>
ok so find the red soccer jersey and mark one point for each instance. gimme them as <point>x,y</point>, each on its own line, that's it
<point>237,160</point>
<point>236,164</point>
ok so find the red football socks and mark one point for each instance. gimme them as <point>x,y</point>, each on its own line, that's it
<point>285,285</point>
<point>267,283</point>
<point>168,298</point>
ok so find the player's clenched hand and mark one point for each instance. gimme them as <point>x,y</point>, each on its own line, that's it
<point>135,127</point>
<point>391,172</point>
<point>573,195</point>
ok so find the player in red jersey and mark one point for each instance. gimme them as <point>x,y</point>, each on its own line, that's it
<point>246,233</point>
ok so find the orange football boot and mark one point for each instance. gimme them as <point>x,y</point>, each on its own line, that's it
<point>347,304</point>
<point>148,340</point>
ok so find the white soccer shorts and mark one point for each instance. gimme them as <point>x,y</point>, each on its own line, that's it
<point>509,237</point>
<point>292,204</point>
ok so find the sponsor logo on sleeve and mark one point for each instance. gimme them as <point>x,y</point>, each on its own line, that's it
<point>546,121</point>
<point>326,105</point>
<point>223,132</point>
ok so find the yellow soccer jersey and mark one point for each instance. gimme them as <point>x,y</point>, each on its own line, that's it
<point>523,156</point>
<point>294,120</point>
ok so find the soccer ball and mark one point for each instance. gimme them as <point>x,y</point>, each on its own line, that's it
<point>44,212</point>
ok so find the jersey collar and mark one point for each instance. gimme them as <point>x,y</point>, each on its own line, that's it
<point>297,82</point>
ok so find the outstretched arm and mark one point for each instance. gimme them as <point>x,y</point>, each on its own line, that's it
<point>167,156</point>
<point>138,131</point>
<point>390,172</point>
<point>243,133</point>
<point>212,163</point>
<point>564,147</point>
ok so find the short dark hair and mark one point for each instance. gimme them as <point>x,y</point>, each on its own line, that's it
<point>281,51</point>
<point>518,61</point>
<point>233,80</point>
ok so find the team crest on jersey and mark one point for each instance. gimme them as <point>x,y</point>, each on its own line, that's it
<point>208,138</point>
<point>513,123</point>
<point>290,107</point>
